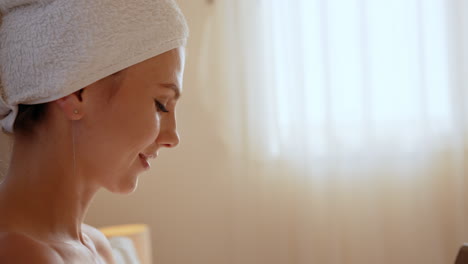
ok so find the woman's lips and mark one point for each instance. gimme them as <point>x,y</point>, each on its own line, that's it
<point>144,161</point>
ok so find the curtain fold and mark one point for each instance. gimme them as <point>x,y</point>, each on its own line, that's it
<point>346,122</point>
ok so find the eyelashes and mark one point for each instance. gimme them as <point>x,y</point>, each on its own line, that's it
<point>160,107</point>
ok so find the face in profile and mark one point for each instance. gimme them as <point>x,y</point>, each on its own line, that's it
<point>116,133</point>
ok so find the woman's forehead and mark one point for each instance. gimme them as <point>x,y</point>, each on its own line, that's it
<point>162,73</point>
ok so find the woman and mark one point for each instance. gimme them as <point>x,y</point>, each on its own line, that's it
<point>100,106</point>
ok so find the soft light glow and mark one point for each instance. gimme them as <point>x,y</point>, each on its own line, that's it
<point>341,71</point>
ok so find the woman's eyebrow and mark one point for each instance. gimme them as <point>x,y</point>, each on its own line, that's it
<point>173,87</point>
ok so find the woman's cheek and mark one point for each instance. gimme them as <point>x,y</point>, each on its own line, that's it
<point>157,126</point>
<point>154,126</point>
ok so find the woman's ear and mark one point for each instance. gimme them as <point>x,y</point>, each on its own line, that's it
<point>71,105</point>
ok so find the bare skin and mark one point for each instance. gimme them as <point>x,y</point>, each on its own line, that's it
<point>49,187</point>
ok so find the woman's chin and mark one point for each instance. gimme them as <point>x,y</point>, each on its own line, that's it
<point>124,187</point>
<point>124,183</point>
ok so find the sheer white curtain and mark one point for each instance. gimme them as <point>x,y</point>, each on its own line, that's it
<point>348,127</point>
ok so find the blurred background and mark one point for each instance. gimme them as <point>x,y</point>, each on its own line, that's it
<point>312,131</point>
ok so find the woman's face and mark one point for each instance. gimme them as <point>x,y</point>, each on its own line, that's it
<point>138,119</point>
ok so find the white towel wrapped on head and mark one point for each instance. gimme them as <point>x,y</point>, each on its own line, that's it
<point>52,48</point>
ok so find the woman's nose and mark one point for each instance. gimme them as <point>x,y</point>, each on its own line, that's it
<point>168,137</point>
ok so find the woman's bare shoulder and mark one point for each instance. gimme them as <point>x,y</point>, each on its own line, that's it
<point>19,248</point>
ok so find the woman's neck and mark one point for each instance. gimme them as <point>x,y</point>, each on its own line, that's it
<point>42,195</point>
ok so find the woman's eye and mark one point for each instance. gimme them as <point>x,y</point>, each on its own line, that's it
<point>160,107</point>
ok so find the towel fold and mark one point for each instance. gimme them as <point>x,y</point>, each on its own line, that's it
<point>123,250</point>
<point>52,48</point>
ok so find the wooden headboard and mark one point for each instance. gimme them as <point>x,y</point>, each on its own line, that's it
<point>138,233</point>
